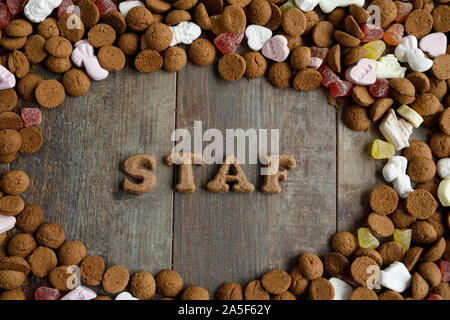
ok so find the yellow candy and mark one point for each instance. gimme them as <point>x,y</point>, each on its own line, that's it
<point>409,114</point>
<point>288,5</point>
<point>376,49</point>
<point>444,192</point>
<point>409,298</point>
<point>382,149</point>
<point>403,237</point>
<point>366,239</point>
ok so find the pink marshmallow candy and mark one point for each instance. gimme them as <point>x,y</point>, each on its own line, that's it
<point>83,55</point>
<point>363,73</point>
<point>276,49</point>
<point>434,44</point>
<point>7,79</point>
<point>6,223</point>
<point>80,293</point>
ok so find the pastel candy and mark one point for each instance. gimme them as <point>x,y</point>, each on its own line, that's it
<point>80,293</point>
<point>407,44</point>
<point>257,36</point>
<point>6,223</point>
<point>126,6</point>
<point>185,32</point>
<point>315,63</point>
<point>125,296</point>
<point>37,10</point>
<point>329,5</point>
<point>396,277</point>
<point>276,49</point>
<point>434,44</point>
<point>7,79</point>
<point>342,289</point>
<point>83,55</point>
<point>402,185</point>
<point>411,115</point>
<point>363,73</point>
<point>396,131</point>
<point>443,168</point>
<point>388,67</point>
<point>307,5</point>
<point>444,192</point>
<point>408,51</point>
<point>394,168</point>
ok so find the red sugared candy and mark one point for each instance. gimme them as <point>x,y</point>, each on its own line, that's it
<point>237,38</point>
<point>435,297</point>
<point>393,36</point>
<point>105,6</point>
<point>341,88</point>
<point>371,32</point>
<point>380,89</point>
<point>321,53</point>
<point>328,75</point>
<point>66,6</point>
<point>226,42</point>
<point>15,6</point>
<point>5,15</point>
<point>403,9</point>
<point>445,270</point>
<point>46,293</point>
<point>31,116</point>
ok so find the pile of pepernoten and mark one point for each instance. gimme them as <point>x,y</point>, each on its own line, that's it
<point>384,61</point>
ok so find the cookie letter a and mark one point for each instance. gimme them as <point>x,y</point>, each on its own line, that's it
<point>139,167</point>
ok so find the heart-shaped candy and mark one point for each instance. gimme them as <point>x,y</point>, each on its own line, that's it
<point>257,36</point>
<point>80,293</point>
<point>125,296</point>
<point>434,44</point>
<point>307,5</point>
<point>7,79</point>
<point>276,49</point>
<point>363,73</point>
<point>6,223</point>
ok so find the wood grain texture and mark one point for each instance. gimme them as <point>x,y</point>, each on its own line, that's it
<point>233,237</point>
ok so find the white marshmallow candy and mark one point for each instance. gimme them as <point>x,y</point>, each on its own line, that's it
<point>6,223</point>
<point>443,168</point>
<point>396,277</point>
<point>257,36</point>
<point>396,131</point>
<point>307,5</point>
<point>126,6</point>
<point>37,10</point>
<point>125,296</point>
<point>444,192</point>
<point>185,32</point>
<point>388,67</point>
<point>402,185</point>
<point>342,289</point>
<point>408,51</point>
<point>329,5</point>
<point>394,168</point>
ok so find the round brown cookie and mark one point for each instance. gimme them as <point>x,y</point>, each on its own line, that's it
<point>18,28</point>
<point>441,17</point>
<point>259,12</point>
<point>30,218</point>
<point>59,47</point>
<point>48,28</point>
<point>32,140</point>
<point>335,264</point>
<point>27,86</point>
<point>420,81</point>
<point>58,65</point>
<point>13,295</point>
<point>231,67</point>
<point>76,82</point>
<point>344,243</point>
<point>202,52</point>
<point>388,11</point>
<point>148,61</point>
<point>312,19</point>
<point>298,283</point>
<point>280,74</point>
<point>10,120</point>
<point>104,298</point>
<point>352,27</point>
<point>243,3</point>
<point>35,49</point>
<point>380,107</point>
<point>195,293</point>
<point>256,64</point>
<point>71,253</point>
<point>443,289</point>
<point>169,283</point>
<point>11,279</point>
<point>230,291</point>
<point>73,34</point>
<point>390,295</point>
<point>441,67</point>
<point>437,221</point>
<point>307,79</point>
<point>361,96</point>
<point>284,296</point>
<point>371,253</point>
<point>91,270</point>
<point>15,181</point>
<point>391,252</point>
<point>111,58</point>
<point>420,204</point>
<point>293,41</point>
<point>10,44</point>
<point>116,20</point>
<point>158,6</point>
<point>321,289</point>
<point>337,17</point>
<point>300,58</point>
<point>276,281</point>
<point>402,90</point>
<point>174,59</point>
<point>362,293</point>
<point>423,233</point>
<point>63,278</point>
<point>361,269</point>
<point>430,271</point>
<point>334,58</point>
<point>201,17</point>
<point>438,88</point>
<point>10,141</point>
<point>115,279</point>
<point>346,40</point>
<point>50,93</point>
<point>8,158</point>
<point>380,225</point>
<point>42,261</point>
<point>158,37</point>
<point>18,64</point>
<point>417,149</point>
<point>310,266</point>
<point>383,200</point>
<point>103,34</point>
<point>419,23</point>
<point>431,187</point>
<point>323,34</point>
<point>401,218</point>
<point>356,118</point>
<point>129,43</point>
<point>11,205</point>
<point>139,18</point>
<point>21,245</point>
<point>16,264</point>
<point>444,121</point>
<point>50,234</point>
<point>184,4</point>
<point>294,23</point>
<point>436,251</point>
<point>421,170</point>
<point>217,27</point>
<point>90,15</point>
<point>355,54</point>
<point>440,145</point>
<point>142,285</point>
<point>429,107</point>
<point>176,16</point>
<point>234,19</point>
<point>8,99</point>
<point>276,17</point>
<point>412,256</point>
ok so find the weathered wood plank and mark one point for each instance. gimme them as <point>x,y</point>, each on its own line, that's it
<point>76,175</point>
<point>235,237</point>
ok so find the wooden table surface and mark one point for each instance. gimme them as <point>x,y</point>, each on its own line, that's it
<point>208,238</point>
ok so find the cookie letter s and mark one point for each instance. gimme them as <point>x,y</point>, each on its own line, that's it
<point>139,167</point>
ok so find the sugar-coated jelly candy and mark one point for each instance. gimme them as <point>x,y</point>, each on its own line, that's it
<point>237,38</point>
<point>403,237</point>
<point>46,293</point>
<point>105,6</point>
<point>380,89</point>
<point>366,239</point>
<point>445,270</point>
<point>287,6</point>
<point>371,32</point>
<point>15,6</point>
<point>435,297</point>
<point>5,15</point>
<point>31,116</point>
<point>403,9</point>
<point>382,149</point>
<point>66,6</point>
<point>319,53</point>
<point>328,75</point>
<point>226,43</point>
<point>393,36</point>
<point>376,49</point>
<point>340,88</point>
